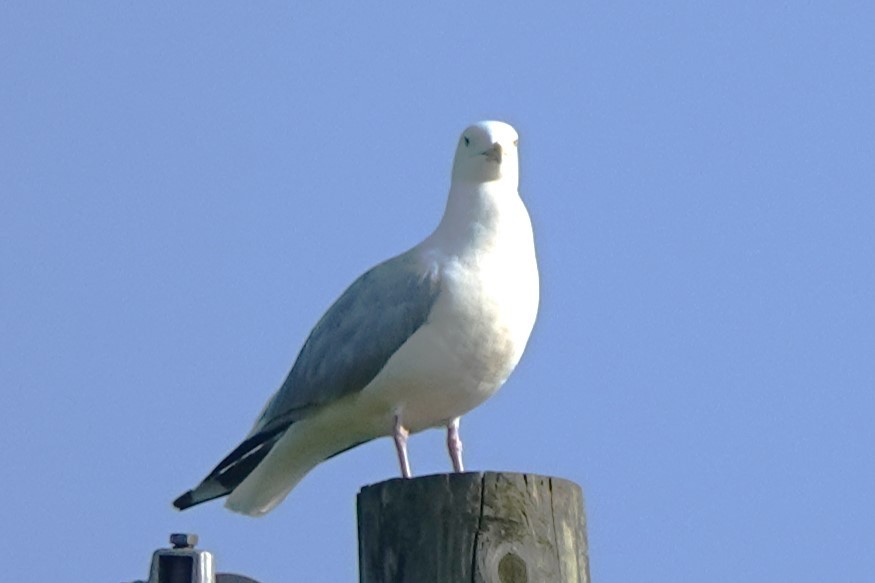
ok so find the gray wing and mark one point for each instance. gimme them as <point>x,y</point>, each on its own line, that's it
<point>355,338</point>
<point>344,352</point>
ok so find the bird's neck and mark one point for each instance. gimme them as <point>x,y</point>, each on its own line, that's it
<point>476,212</point>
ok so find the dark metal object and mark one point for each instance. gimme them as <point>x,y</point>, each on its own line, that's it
<point>184,564</point>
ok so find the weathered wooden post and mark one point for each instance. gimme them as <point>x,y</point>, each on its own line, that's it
<point>489,527</point>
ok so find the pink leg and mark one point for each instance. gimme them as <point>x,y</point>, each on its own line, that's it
<point>454,445</point>
<point>400,435</point>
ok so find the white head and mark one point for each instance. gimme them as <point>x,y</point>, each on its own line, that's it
<point>487,151</point>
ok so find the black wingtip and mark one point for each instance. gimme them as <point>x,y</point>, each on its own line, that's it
<point>185,501</point>
<point>206,491</point>
<point>233,469</point>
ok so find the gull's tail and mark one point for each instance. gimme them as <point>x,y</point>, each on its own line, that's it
<point>262,470</point>
<point>232,470</point>
<point>301,448</point>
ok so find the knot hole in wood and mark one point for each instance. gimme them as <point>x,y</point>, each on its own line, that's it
<point>512,569</point>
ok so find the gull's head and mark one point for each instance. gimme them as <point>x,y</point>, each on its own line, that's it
<point>487,151</point>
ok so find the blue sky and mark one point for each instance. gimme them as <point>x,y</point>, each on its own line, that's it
<point>185,189</point>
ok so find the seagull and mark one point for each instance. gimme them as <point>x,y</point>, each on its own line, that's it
<point>414,343</point>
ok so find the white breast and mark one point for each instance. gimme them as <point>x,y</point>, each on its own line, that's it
<point>478,327</point>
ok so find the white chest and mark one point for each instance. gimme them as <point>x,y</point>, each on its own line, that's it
<point>487,308</point>
<point>474,336</point>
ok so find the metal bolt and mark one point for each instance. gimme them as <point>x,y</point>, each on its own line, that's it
<point>181,540</point>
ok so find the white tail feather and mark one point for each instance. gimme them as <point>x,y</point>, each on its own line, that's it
<point>306,444</point>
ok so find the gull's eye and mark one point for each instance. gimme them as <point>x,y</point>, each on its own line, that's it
<point>516,143</point>
<point>467,141</point>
